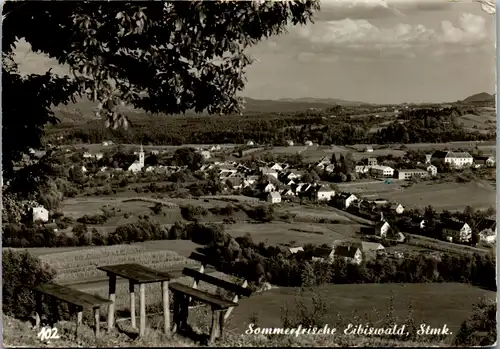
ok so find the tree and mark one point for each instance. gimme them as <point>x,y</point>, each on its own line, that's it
<point>163,57</point>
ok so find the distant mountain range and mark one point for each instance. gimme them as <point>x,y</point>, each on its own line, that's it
<point>294,104</point>
<point>84,109</point>
<point>480,97</point>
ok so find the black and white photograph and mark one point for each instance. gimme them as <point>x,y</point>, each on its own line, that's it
<point>249,173</point>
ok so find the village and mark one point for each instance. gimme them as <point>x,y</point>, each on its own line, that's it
<point>277,183</point>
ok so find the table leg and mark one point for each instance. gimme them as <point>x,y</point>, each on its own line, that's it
<point>112,298</point>
<point>213,331</point>
<point>166,307</point>
<point>97,319</point>
<point>131,286</point>
<point>142,305</point>
<point>79,319</point>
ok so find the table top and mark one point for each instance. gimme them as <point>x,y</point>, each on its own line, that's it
<point>136,272</point>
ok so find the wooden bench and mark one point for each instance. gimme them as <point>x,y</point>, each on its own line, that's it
<point>140,275</point>
<point>76,299</point>
<point>221,308</point>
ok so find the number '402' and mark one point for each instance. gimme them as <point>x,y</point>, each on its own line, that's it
<point>47,333</point>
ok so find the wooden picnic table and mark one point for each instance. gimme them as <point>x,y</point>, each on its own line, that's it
<point>140,275</point>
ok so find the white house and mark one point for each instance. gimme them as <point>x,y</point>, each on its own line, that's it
<point>362,169</point>
<point>266,171</point>
<point>99,156</point>
<point>381,229</point>
<point>83,169</point>
<point>206,154</point>
<point>269,187</point>
<point>87,155</point>
<point>382,171</point>
<point>349,254</point>
<point>344,200</point>
<point>289,143</point>
<point>457,231</point>
<point>273,197</point>
<point>488,230</point>
<point>294,250</point>
<point>325,194</point>
<point>398,208</point>
<point>456,159</point>
<point>407,174</point>
<point>288,192</point>
<point>250,143</point>
<point>138,165</point>
<point>276,167</point>
<point>308,143</point>
<point>330,168</point>
<point>40,214</point>
<point>369,149</point>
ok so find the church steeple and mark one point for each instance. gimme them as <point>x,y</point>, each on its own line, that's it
<point>141,156</point>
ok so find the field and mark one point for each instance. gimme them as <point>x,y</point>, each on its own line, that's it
<point>301,233</point>
<point>434,304</point>
<point>82,265</point>
<point>443,196</point>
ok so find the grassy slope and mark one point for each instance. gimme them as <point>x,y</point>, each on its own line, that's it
<point>435,304</point>
<point>17,333</point>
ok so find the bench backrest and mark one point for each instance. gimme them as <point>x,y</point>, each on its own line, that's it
<point>227,285</point>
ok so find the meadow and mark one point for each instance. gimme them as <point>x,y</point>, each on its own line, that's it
<point>442,196</point>
<point>433,304</point>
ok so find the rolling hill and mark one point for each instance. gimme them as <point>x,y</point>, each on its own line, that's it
<point>480,97</point>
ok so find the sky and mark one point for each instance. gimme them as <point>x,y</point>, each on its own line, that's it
<point>380,51</point>
<point>375,51</point>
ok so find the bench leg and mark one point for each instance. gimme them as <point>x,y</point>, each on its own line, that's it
<point>221,324</point>
<point>184,311</point>
<point>213,331</point>
<point>142,305</point>
<point>97,319</point>
<point>166,307</point>
<point>112,298</point>
<point>131,286</point>
<point>38,309</point>
<point>176,313</point>
<point>79,319</point>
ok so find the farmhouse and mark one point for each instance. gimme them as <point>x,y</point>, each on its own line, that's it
<point>288,192</point>
<point>266,171</point>
<point>382,228</point>
<point>273,197</point>
<point>276,167</point>
<point>349,254</point>
<point>370,249</point>
<point>99,156</point>
<point>487,230</point>
<point>40,214</point>
<point>431,169</point>
<point>382,171</point>
<point>87,155</point>
<point>289,143</point>
<point>411,173</point>
<point>369,149</point>
<point>205,154</point>
<point>322,254</point>
<point>325,193</point>
<point>234,183</point>
<point>372,162</point>
<point>344,200</point>
<point>455,159</point>
<point>457,231</point>
<point>250,143</point>
<point>362,169</point>
<point>308,143</point>
<point>480,161</point>
<point>398,208</point>
<point>294,250</point>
